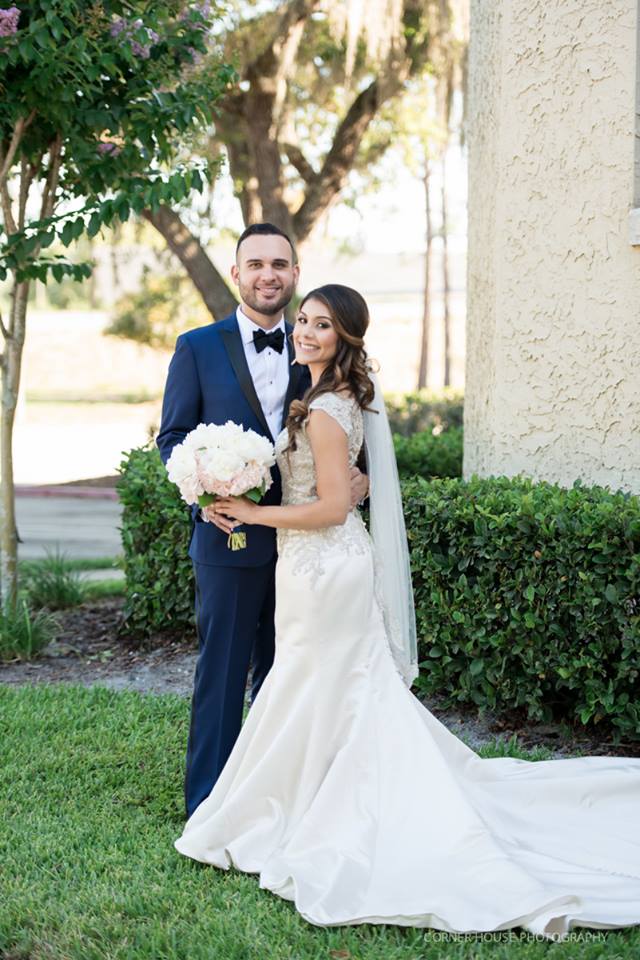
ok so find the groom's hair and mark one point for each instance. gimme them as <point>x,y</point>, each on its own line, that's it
<point>266,230</point>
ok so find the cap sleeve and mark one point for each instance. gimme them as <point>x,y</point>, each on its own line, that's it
<point>337,407</point>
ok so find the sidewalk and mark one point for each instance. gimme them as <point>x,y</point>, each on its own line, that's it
<point>80,522</point>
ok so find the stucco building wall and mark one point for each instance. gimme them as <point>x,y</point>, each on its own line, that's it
<point>553,339</point>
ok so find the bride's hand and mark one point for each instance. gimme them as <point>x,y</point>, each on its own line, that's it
<point>238,508</point>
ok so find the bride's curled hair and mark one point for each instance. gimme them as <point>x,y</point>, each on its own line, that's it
<point>348,370</point>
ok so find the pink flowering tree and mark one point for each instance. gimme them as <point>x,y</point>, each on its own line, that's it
<point>98,101</point>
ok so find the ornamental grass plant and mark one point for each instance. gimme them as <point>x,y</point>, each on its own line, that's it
<point>23,631</point>
<point>54,583</point>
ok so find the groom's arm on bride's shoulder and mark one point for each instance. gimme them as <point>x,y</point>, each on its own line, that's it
<point>330,450</point>
<point>181,400</point>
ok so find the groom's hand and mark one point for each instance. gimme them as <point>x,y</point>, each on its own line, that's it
<point>223,523</point>
<point>359,486</point>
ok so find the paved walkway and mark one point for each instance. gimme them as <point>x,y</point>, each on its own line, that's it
<point>78,526</point>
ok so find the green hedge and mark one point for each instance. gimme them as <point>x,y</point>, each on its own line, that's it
<point>155,537</point>
<point>528,595</point>
<point>430,455</point>
<point>425,410</point>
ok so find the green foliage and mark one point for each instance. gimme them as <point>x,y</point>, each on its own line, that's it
<point>430,455</point>
<point>164,306</point>
<point>155,539</point>
<point>108,90</point>
<point>425,410</point>
<point>22,632</point>
<point>528,595</point>
<point>55,584</point>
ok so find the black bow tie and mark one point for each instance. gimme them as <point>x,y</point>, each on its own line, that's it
<point>275,340</point>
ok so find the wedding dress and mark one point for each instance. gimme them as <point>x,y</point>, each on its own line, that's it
<point>349,798</point>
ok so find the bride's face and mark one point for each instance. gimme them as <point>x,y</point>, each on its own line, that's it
<point>314,337</point>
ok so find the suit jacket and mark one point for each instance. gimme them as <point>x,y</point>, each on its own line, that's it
<point>209,382</point>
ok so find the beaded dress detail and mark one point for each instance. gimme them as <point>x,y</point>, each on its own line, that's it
<point>349,797</point>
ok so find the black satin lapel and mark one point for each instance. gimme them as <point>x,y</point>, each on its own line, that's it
<point>235,351</point>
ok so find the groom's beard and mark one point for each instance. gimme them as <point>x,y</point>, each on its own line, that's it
<point>270,308</point>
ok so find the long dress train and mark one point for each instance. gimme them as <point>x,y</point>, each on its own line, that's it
<point>349,798</point>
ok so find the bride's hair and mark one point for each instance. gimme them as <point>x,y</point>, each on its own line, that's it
<point>347,370</point>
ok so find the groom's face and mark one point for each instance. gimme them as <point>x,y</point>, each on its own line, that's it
<point>265,274</point>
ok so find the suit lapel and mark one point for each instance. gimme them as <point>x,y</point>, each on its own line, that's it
<point>295,372</point>
<point>235,350</point>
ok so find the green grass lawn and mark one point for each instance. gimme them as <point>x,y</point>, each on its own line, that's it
<point>73,563</point>
<point>90,803</point>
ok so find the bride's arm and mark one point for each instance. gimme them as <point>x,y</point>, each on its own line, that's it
<point>330,449</point>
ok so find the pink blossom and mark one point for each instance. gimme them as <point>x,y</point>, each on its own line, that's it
<point>111,148</point>
<point>246,480</point>
<point>140,50</point>
<point>126,29</point>
<point>221,488</point>
<point>117,27</point>
<point>9,21</point>
<point>204,9</point>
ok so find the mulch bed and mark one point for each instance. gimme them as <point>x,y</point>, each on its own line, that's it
<point>92,646</point>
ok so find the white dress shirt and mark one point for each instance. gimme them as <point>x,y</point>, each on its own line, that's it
<point>269,371</point>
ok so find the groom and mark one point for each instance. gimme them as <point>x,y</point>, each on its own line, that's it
<point>241,369</point>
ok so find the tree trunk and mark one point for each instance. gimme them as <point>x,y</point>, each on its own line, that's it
<point>12,362</point>
<point>114,239</point>
<point>216,294</point>
<point>445,276</point>
<point>426,303</point>
<point>264,151</point>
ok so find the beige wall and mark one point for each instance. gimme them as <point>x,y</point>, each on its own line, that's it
<point>553,338</point>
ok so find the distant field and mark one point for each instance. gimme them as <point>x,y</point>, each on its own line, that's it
<point>86,397</point>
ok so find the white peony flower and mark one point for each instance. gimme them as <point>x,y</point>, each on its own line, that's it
<point>220,458</point>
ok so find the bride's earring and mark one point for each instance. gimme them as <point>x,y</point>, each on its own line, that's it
<point>290,337</point>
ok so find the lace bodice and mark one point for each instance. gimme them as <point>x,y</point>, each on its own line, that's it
<point>309,547</point>
<point>311,551</point>
<point>297,468</point>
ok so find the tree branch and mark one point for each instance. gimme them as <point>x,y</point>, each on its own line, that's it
<point>403,62</point>
<point>268,63</point>
<point>339,160</point>
<point>25,183</point>
<point>209,283</point>
<point>20,127</point>
<point>5,199</point>
<point>51,183</point>
<point>298,160</point>
<point>5,334</point>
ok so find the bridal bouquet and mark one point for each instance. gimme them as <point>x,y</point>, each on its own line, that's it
<point>225,460</point>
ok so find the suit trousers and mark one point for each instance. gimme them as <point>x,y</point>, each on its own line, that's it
<point>235,608</point>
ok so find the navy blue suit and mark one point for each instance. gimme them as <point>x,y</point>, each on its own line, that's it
<point>209,382</point>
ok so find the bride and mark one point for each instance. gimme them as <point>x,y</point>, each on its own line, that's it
<point>343,792</point>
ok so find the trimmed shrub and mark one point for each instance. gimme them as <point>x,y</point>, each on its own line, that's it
<point>430,455</point>
<point>425,411</point>
<point>528,595</point>
<point>156,527</point>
